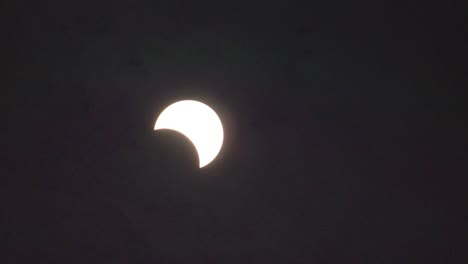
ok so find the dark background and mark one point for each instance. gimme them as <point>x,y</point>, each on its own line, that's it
<point>345,140</point>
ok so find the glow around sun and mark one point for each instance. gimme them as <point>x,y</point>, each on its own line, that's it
<point>199,123</point>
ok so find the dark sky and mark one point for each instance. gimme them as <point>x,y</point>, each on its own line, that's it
<point>345,139</point>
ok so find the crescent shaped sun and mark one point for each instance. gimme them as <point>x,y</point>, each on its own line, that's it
<point>199,123</point>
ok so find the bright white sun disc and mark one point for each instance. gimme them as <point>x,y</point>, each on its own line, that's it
<point>199,123</point>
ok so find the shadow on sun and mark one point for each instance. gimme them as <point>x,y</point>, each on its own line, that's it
<point>168,151</point>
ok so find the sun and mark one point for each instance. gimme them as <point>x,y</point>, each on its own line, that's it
<point>199,123</point>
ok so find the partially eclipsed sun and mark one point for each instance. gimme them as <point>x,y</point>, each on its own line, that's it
<point>199,123</point>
